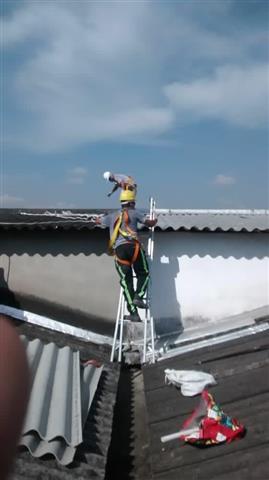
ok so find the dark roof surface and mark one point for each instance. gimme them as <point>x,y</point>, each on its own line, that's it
<point>91,456</point>
<point>176,220</point>
<point>241,369</point>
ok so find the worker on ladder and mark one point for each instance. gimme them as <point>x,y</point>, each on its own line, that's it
<point>124,243</point>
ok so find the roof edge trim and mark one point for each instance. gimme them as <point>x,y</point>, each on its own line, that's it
<point>55,325</point>
<point>226,337</point>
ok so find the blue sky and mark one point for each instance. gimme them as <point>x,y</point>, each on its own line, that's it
<point>174,93</point>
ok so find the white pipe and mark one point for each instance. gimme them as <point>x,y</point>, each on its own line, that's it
<point>173,436</point>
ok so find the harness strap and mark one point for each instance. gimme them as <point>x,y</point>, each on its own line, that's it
<point>134,257</point>
<point>127,233</point>
<point>128,184</point>
<point>115,233</point>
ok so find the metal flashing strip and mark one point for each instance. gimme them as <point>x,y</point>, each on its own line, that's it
<point>55,325</point>
<point>252,330</point>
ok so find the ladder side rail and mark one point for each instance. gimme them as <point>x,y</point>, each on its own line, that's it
<point>145,336</point>
<point>148,295</point>
<point>123,303</point>
<point>149,317</point>
<point>116,326</point>
<point>152,230</point>
<point>151,257</point>
<point>152,338</point>
<point>151,217</point>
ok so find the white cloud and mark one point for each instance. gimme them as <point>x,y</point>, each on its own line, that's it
<point>76,175</point>
<point>9,201</point>
<point>237,95</point>
<point>93,71</point>
<point>224,180</point>
<point>80,83</point>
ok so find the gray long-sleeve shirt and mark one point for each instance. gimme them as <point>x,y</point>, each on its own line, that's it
<point>135,217</point>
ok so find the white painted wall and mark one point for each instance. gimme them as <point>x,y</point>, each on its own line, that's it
<point>195,276</point>
<point>208,276</point>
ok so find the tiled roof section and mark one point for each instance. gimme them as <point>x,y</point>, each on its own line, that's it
<point>61,396</point>
<point>175,220</point>
<point>241,369</point>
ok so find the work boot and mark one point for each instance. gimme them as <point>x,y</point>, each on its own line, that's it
<point>133,317</point>
<point>138,302</point>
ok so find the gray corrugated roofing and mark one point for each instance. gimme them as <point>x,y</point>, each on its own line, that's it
<point>177,220</point>
<point>214,220</point>
<point>91,456</point>
<point>61,396</point>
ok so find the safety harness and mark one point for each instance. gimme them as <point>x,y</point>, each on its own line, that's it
<point>128,233</point>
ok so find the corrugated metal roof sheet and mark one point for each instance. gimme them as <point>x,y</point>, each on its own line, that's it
<point>91,455</point>
<point>61,396</point>
<point>214,220</point>
<point>177,220</point>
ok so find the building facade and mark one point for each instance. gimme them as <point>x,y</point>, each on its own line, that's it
<point>207,265</point>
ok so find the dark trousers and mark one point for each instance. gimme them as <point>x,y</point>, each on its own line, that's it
<point>125,251</point>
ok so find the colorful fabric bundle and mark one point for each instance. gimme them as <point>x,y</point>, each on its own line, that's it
<point>209,425</point>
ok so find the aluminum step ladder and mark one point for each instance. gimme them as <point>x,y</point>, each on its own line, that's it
<point>146,343</point>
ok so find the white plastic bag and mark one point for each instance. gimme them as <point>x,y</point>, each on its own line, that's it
<point>191,382</point>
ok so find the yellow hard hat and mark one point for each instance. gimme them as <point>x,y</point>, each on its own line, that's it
<point>127,196</point>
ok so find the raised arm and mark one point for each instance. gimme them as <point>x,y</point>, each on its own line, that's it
<point>150,222</point>
<point>119,178</point>
<point>145,220</point>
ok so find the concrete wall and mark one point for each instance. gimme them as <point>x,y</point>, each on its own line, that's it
<point>195,276</point>
<point>65,275</point>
